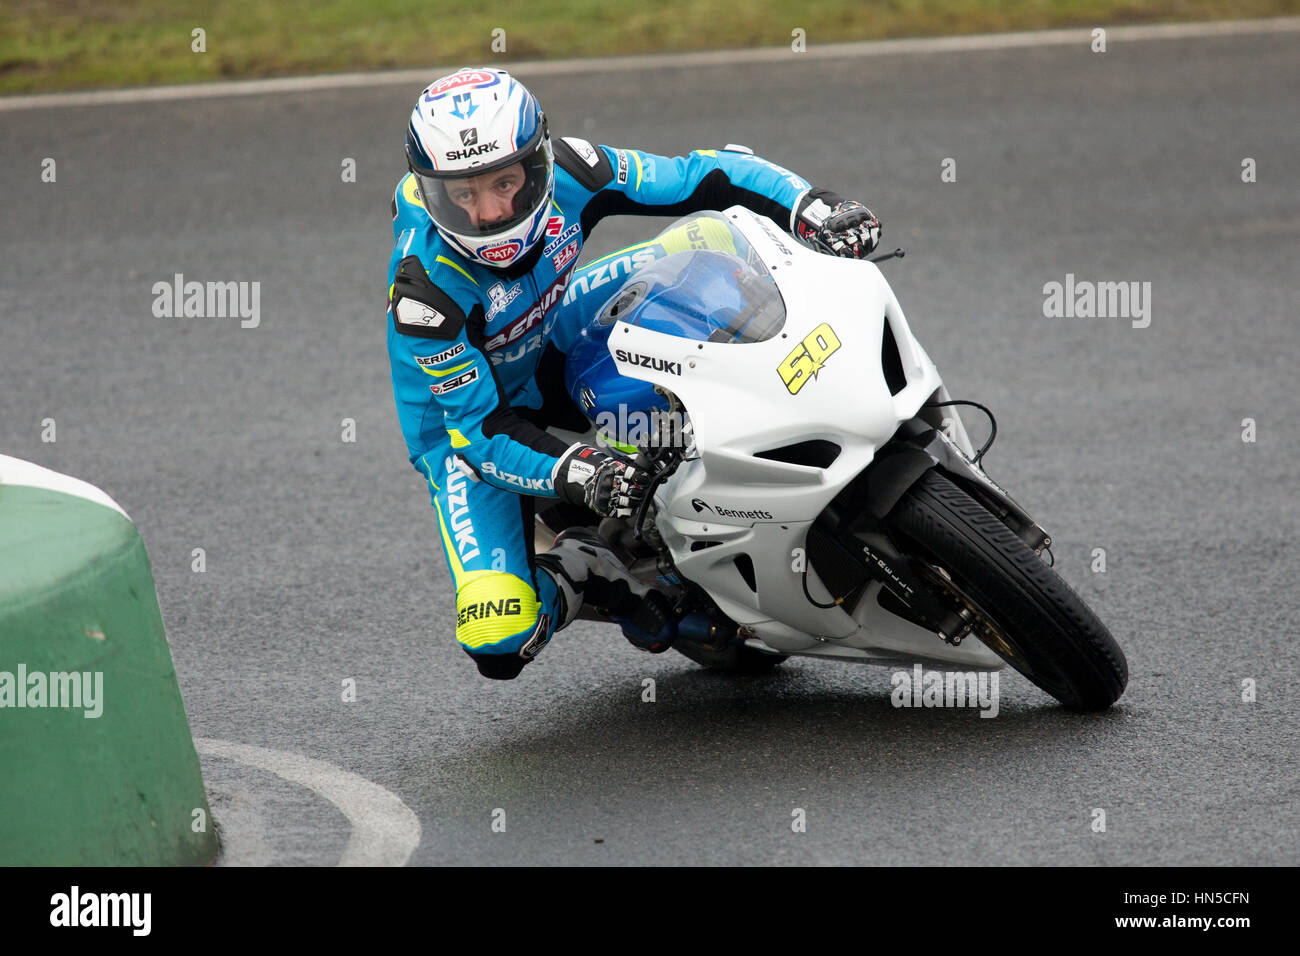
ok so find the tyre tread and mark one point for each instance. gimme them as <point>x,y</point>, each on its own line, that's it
<point>972,542</point>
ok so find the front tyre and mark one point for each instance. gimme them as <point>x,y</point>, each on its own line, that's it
<point>1026,613</point>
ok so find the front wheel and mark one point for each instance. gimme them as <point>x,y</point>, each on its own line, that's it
<point>1024,611</point>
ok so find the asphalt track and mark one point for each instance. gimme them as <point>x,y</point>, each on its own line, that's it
<point>321,559</point>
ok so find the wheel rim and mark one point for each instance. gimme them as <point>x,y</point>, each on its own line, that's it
<point>995,637</point>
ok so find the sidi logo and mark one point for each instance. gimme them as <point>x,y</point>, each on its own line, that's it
<point>102,909</point>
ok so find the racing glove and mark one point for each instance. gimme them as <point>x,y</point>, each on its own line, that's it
<point>840,227</point>
<point>609,486</point>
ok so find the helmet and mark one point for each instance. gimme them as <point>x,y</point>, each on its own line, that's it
<point>466,126</point>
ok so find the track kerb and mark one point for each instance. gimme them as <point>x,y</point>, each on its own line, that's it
<point>97,767</point>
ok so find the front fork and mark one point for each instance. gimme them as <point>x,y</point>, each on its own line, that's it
<point>854,545</point>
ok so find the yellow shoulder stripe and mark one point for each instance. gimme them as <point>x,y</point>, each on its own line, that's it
<point>410,191</point>
<point>436,374</point>
<point>445,261</point>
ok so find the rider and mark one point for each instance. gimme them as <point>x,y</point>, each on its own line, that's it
<point>489,225</point>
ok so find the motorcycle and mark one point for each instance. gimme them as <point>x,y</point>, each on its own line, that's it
<point>813,490</point>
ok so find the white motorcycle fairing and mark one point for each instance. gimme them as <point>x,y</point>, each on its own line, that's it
<point>737,524</point>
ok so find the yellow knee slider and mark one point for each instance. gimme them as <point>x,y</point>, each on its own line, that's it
<point>493,607</point>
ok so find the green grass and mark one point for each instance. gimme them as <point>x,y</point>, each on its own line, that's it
<point>81,44</point>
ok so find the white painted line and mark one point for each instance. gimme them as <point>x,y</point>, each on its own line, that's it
<point>385,831</point>
<point>418,78</point>
<point>243,835</point>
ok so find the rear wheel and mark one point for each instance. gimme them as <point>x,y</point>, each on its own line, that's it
<point>1024,611</point>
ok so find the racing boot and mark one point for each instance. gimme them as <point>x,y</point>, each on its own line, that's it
<point>588,572</point>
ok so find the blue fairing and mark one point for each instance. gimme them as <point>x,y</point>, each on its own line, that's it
<point>703,295</point>
<point>605,396</point>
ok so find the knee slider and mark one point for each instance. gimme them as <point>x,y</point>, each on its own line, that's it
<point>499,666</point>
<point>496,615</point>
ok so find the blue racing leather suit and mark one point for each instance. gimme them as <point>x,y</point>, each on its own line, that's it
<point>477,364</point>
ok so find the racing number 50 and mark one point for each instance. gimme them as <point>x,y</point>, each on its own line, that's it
<point>808,357</point>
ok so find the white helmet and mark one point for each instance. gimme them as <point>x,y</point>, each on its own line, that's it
<point>474,122</point>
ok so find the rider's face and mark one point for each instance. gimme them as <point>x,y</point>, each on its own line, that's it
<point>489,198</point>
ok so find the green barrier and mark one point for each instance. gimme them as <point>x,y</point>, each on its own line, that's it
<point>97,767</point>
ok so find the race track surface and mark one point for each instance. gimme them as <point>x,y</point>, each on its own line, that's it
<point>322,561</point>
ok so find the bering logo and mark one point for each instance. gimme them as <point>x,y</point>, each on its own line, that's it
<point>428,361</point>
<point>486,609</point>
<point>525,323</point>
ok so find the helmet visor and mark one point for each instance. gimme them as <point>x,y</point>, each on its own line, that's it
<point>476,203</point>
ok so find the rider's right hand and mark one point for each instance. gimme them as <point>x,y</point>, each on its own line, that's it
<point>609,486</point>
<point>837,226</point>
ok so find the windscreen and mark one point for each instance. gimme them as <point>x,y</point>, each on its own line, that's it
<point>707,284</point>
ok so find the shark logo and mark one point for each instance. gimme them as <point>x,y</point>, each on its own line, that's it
<point>501,298</point>
<point>468,137</point>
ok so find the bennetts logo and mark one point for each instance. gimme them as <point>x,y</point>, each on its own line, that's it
<point>721,512</point>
